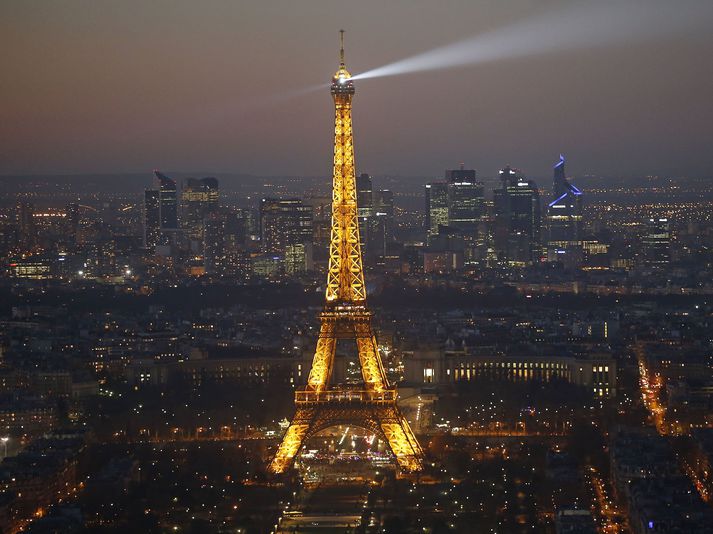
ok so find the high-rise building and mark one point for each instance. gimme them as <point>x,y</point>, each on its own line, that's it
<point>152,218</point>
<point>466,206</point>
<point>321,225</point>
<point>225,235</point>
<point>199,198</point>
<point>465,201</point>
<point>380,227</point>
<point>365,199</point>
<point>8,238</point>
<point>436,207</point>
<point>656,243</point>
<point>73,220</point>
<point>564,214</point>
<point>283,222</point>
<point>365,205</point>
<point>517,218</point>
<point>27,230</point>
<point>376,218</point>
<point>168,196</point>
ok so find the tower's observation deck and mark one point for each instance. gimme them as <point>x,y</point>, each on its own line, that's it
<point>345,316</point>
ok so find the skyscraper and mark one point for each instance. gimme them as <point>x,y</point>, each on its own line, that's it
<point>27,230</point>
<point>199,198</point>
<point>466,205</point>
<point>564,214</point>
<point>321,206</point>
<point>656,243</point>
<point>225,234</point>
<point>517,218</point>
<point>152,218</point>
<point>365,189</point>
<point>465,201</point>
<point>168,199</point>
<point>365,205</point>
<point>73,219</point>
<point>8,238</point>
<point>283,222</point>
<point>380,228</point>
<point>436,207</point>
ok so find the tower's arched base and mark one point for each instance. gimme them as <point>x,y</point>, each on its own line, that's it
<point>376,412</point>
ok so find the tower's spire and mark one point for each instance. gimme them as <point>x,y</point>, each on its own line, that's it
<point>341,77</point>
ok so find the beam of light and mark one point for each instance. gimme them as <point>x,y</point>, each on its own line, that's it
<point>227,110</point>
<point>577,26</point>
<point>344,436</point>
<point>231,110</point>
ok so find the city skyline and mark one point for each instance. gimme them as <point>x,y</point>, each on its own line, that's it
<point>96,90</point>
<point>512,351</point>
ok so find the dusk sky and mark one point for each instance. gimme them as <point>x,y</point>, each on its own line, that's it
<point>224,86</point>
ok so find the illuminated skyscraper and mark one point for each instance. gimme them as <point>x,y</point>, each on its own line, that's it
<point>656,243</point>
<point>564,214</point>
<point>283,222</point>
<point>321,225</point>
<point>168,197</point>
<point>517,218</point>
<point>436,207</point>
<point>365,204</point>
<point>199,198</point>
<point>73,219</point>
<point>8,238</point>
<point>376,218</point>
<point>466,205</point>
<point>225,234</point>
<point>381,224</point>
<point>152,218</point>
<point>27,229</point>
<point>465,200</point>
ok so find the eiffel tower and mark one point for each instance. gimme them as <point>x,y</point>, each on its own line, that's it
<point>372,405</point>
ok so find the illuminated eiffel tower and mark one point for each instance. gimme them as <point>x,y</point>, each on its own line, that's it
<point>373,405</point>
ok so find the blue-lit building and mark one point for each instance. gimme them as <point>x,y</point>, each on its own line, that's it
<point>564,215</point>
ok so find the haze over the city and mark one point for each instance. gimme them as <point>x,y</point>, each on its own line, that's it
<point>233,86</point>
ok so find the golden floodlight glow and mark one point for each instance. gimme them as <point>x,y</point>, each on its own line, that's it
<point>345,316</point>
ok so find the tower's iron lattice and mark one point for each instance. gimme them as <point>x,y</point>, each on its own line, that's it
<point>345,316</point>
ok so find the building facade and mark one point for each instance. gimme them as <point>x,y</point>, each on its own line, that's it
<point>517,219</point>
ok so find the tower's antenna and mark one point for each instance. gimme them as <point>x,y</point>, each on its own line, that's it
<point>341,47</point>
